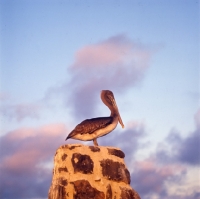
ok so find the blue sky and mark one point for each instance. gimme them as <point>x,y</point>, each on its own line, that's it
<point>56,57</point>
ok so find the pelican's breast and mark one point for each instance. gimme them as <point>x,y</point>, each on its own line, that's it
<point>103,131</point>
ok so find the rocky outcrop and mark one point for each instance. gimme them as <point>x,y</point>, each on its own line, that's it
<point>90,172</point>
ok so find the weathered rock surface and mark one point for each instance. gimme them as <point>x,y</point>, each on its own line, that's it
<point>89,172</point>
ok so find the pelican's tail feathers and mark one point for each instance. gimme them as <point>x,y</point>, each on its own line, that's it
<point>71,135</point>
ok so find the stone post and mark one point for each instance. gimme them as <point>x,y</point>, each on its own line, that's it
<point>89,172</point>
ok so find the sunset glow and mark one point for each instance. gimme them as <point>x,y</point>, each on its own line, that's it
<point>55,59</point>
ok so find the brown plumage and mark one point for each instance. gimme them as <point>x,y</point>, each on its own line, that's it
<point>91,129</point>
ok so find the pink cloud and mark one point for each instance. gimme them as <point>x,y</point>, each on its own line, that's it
<point>48,131</point>
<point>28,146</point>
<point>150,176</point>
<point>24,153</point>
<point>117,53</point>
<point>102,54</point>
<point>162,170</point>
<point>117,63</point>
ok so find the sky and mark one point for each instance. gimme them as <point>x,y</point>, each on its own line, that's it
<point>57,56</point>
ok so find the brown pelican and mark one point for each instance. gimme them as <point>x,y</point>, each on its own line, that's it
<point>91,129</point>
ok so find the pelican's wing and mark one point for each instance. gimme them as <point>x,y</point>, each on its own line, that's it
<point>91,125</point>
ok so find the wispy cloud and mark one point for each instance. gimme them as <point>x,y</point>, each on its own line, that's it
<point>117,63</point>
<point>21,111</point>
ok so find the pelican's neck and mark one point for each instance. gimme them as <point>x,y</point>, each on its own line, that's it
<point>114,113</point>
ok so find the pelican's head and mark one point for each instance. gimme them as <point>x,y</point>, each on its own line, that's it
<point>109,100</point>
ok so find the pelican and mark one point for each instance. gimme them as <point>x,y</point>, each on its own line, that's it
<point>91,129</point>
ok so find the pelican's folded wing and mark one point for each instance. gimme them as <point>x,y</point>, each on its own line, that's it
<point>91,125</point>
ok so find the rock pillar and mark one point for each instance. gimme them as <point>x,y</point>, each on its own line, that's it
<point>89,172</point>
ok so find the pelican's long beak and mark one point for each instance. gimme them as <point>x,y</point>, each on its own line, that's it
<point>120,121</point>
<point>119,117</point>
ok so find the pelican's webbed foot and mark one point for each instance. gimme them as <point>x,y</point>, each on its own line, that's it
<point>95,142</point>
